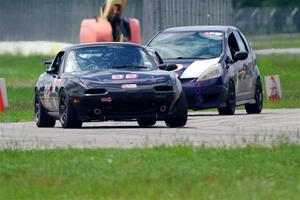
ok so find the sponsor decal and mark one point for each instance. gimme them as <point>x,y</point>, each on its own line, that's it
<point>127,76</point>
<point>117,76</point>
<point>214,33</point>
<point>47,91</point>
<point>106,99</point>
<point>131,76</point>
<point>56,84</point>
<point>129,86</point>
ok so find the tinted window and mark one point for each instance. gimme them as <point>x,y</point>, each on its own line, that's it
<point>240,42</point>
<point>233,44</point>
<point>203,44</point>
<point>244,41</point>
<point>107,57</point>
<point>58,61</point>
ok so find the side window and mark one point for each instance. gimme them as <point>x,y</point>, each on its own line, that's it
<point>58,62</point>
<point>240,42</point>
<point>244,41</point>
<point>233,44</point>
<point>156,57</point>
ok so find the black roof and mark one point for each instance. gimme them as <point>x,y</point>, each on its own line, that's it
<point>77,46</point>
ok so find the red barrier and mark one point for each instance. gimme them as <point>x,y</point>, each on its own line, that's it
<point>100,30</point>
<point>135,31</point>
<point>95,30</point>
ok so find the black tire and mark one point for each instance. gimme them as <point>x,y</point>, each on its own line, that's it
<point>146,121</point>
<point>180,113</point>
<point>42,119</point>
<point>67,114</point>
<point>230,101</point>
<point>256,108</point>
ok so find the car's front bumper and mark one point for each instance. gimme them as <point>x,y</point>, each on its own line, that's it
<point>124,105</point>
<point>205,94</point>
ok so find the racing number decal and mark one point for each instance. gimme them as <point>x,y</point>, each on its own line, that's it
<point>47,91</point>
<point>56,84</point>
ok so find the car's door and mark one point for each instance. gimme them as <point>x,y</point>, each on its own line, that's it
<point>247,65</point>
<point>53,83</point>
<point>235,67</point>
<point>250,81</point>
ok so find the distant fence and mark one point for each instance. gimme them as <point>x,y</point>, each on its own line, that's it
<point>59,20</point>
<point>161,14</point>
<point>255,21</point>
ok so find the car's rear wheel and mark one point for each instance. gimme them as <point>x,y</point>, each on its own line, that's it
<point>42,119</point>
<point>67,114</point>
<point>146,121</point>
<point>257,106</point>
<point>230,101</point>
<point>180,114</point>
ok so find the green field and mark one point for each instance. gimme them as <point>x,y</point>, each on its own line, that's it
<point>288,68</point>
<point>21,73</point>
<point>156,173</point>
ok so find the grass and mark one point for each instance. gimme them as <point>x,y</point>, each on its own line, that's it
<point>288,68</point>
<point>21,74</point>
<point>280,41</point>
<point>157,173</point>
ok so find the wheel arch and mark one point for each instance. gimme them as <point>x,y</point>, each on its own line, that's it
<point>60,90</point>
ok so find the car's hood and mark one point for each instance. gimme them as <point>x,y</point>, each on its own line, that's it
<point>192,68</point>
<point>117,77</point>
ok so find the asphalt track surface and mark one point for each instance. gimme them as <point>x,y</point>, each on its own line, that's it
<point>203,129</point>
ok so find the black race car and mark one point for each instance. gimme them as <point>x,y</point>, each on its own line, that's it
<point>108,81</point>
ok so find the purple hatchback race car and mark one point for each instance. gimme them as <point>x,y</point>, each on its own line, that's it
<point>215,64</point>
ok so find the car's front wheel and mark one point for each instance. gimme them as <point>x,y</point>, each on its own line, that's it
<point>42,119</point>
<point>146,121</point>
<point>67,114</point>
<point>257,106</point>
<point>230,101</point>
<point>180,114</point>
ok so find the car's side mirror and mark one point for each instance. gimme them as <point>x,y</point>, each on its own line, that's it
<point>168,67</point>
<point>47,62</point>
<point>240,55</point>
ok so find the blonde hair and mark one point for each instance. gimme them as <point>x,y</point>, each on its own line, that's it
<point>109,4</point>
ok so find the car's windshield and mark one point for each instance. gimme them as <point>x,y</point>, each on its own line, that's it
<point>185,45</point>
<point>108,57</point>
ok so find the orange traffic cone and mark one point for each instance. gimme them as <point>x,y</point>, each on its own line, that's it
<point>2,107</point>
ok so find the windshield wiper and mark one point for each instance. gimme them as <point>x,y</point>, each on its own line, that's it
<point>129,67</point>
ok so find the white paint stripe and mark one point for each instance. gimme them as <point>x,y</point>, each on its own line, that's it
<point>198,67</point>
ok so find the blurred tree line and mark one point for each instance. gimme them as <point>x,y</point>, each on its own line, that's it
<point>265,3</point>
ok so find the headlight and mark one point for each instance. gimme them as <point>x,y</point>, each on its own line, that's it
<point>214,71</point>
